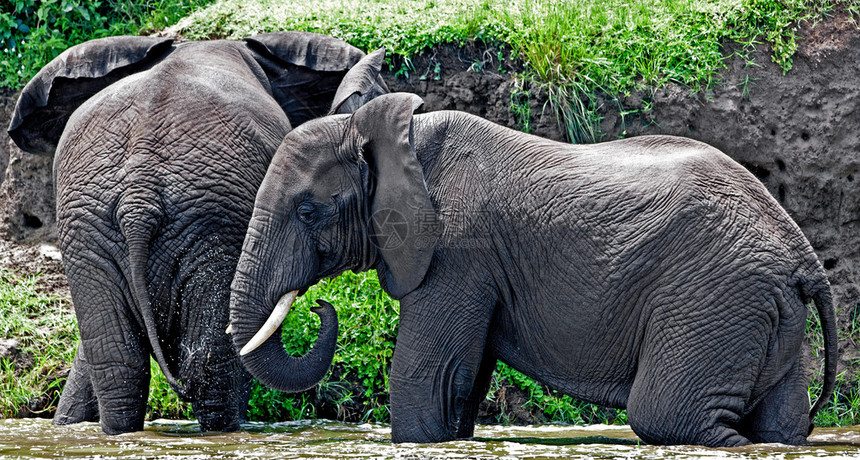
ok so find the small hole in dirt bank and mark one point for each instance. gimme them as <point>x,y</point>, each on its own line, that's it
<point>850,178</point>
<point>804,136</point>
<point>31,221</point>
<point>830,264</point>
<point>781,165</point>
<point>758,171</point>
<point>781,192</point>
<point>772,132</point>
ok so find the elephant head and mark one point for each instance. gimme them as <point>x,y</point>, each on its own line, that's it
<point>342,193</point>
<point>176,137</point>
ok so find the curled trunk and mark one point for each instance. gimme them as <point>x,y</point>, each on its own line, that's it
<point>250,308</point>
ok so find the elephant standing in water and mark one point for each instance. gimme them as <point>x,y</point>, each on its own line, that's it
<point>653,274</point>
<point>160,148</point>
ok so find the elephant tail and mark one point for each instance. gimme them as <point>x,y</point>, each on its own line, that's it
<point>818,291</point>
<point>138,226</point>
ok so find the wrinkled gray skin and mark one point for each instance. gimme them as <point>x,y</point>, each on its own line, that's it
<point>652,273</point>
<point>160,149</point>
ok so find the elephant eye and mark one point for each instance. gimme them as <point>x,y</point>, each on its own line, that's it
<point>307,213</point>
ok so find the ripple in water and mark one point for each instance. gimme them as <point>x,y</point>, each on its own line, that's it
<point>169,439</point>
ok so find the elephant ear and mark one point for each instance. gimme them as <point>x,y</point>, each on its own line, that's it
<point>404,222</point>
<point>304,70</point>
<point>50,98</point>
<point>361,84</point>
<point>307,49</point>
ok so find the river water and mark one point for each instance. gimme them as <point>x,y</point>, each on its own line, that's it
<point>167,439</point>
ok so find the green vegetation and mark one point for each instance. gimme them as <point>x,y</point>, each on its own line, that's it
<point>356,389</point>
<point>614,44</point>
<point>844,408</point>
<point>549,405</point>
<point>573,48</point>
<point>40,335</point>
<point>32,32</point>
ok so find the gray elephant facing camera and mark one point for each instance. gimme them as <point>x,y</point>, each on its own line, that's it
<point>160,148</point>
<point>653,274</point>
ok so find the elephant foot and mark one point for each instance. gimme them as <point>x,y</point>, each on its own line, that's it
<point>218,421</point>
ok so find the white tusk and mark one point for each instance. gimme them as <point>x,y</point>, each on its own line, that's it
<point>229,329</point>
<point>275,320</point>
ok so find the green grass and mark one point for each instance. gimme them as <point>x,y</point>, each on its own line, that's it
<point>357,389</point>
<point>612,44</point>
<point>46,333</point>
<point>32,32</point>
<point>844,407</point>
<point>163,402</point>
<point>572,47</point>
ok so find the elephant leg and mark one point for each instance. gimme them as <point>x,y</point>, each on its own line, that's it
<point>696,372</point>
<point>221,394</point>
<point>114,346</point>
<point>783,414</point>
<point>668,408</point>
<point>436,364</point>
<point>78,402</point>
<point>479,393</point>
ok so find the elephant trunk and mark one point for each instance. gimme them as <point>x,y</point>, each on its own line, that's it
<point>282,308</point>
<point>255,324</point>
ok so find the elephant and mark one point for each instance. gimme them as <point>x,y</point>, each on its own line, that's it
<point>653,273</point>
<point>159,148</point>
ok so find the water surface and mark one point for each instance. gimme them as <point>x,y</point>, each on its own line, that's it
<point>167,439</point>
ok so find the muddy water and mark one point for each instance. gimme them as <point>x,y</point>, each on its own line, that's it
<point>165,439</point>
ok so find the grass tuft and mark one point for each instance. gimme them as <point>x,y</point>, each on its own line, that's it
<point>40,337</point>
<point>843,409</point>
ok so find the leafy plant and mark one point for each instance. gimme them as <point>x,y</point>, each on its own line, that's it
<point>520,107</point>
<point>553,406</point>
